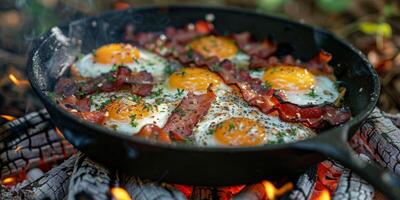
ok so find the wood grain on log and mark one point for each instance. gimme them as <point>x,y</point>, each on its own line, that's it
<point>351,186</point>
<point>382,139</point>
<point>53,185</point>
<point>89,180</point>
<point>304,186</point>
<point>140,189</point>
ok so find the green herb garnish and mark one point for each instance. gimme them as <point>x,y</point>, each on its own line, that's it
<point>133,122</point>
<point>312,94</point>
<point>180,92</point>
<point>216,68</point>
<point>231,126</point>
<point>180,112</point>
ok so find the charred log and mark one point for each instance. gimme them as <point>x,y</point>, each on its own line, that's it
<point>31,141</point>
<point>140,189</point>
<point>53,185</point>
<point>89,180</point>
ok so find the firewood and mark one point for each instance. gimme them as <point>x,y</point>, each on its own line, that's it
<point>382,140</point>
<point>53,185</point>
<point>304,186</point>
<point>140,189</point>
<point>351,186</point>
<point>89,180</point>
<point>30,141</point>
<point>251,192</point>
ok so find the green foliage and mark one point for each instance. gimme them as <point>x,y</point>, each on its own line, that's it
<point>333,6</point>
<point>270,5</point>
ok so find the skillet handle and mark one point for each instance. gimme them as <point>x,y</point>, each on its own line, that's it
<point>336,147</point>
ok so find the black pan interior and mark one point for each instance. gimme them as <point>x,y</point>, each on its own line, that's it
<point>53,53</point>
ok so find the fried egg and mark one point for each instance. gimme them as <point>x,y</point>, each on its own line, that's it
<point>128,113</point>
<point>230,121</point>
<point>103,59</point>
<point>220,47</point>
<point>299,85</point>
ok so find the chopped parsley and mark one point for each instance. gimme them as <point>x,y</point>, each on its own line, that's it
<point>180,92</point>
<point>169,70</point>
<point>231,126</point>
<point>190,53</point>
<point>80,93</point>
<point>149,107</point>
<point>133,122</point>
<point>266,85</point>
<point>136,98</point>
<point>312,94</point>
<point>211,132</point>
<point>182,73</point>
<point>114,68</point>
<point>216,68</point>
<point>52,96</point>
<point>111,78</point>
<point>105,103</point>
<point>292,132</point>
<point>156,93</point>
<point>180,112</point>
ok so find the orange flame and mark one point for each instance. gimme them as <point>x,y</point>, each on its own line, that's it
<point>272,192</point>
<point>18,148</point>
<point>8,117</point>
<point>9,181</point>
<point>119,193</point>
<point>59,132</point>
<point>16,81</point>
<point>324,195</point>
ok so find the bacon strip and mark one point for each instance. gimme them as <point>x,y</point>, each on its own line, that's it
<point>139,83</point>
<point>188,113</point>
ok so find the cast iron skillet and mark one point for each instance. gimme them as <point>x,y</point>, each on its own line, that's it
<point>201,165</point>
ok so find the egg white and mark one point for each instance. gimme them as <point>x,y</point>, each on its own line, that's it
<point>148,61</point>
<point>324,91</point>
<point>228,105</point>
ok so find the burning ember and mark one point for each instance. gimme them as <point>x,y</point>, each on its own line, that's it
<point>272,192</point>
<point>119,193</point>
<point>16,81</point>
<point>8,117</point>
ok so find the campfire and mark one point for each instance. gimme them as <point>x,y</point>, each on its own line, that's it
<point>38,163</point>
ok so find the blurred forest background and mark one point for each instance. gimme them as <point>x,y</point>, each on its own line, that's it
<point>371,25</point>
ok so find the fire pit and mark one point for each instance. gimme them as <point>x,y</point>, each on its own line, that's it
<point>38,163</point>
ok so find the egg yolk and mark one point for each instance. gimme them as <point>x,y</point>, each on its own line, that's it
<point>123,110</point>
<point>239,132</point>
<point>116,54</point>
<point>218,46</point>
<point>289,78</point>
<point>194,79</point>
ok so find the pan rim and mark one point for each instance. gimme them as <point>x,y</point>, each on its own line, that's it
<point>195,148</point>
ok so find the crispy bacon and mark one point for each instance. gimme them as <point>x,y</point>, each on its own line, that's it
<point>139,83</point>
<point>81,108</point>
<point>320,63</point>
<point>188,113</point>
<point>263,49</point>
<point>153,132</point>
<point>65,86</point>
<point>71,102</point>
